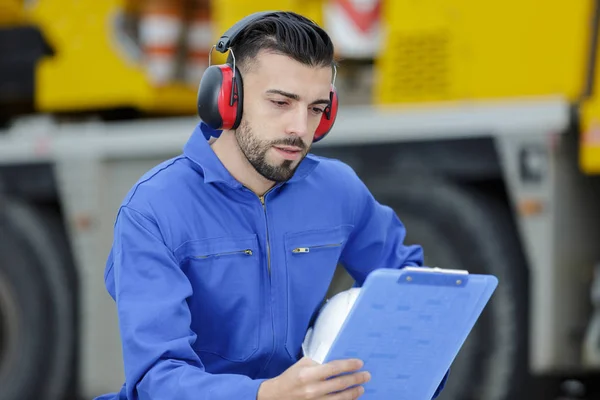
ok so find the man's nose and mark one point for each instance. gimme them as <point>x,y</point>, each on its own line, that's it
<point>298,123</point>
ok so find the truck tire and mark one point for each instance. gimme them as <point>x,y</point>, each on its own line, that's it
<point>37,338</point>
<point>463,229</point>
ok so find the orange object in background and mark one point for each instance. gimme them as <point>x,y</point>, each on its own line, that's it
<point>199,40</point>
<point>160,28</point>
<point>175,37</point>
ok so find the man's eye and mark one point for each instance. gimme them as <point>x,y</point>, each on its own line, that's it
<point>279,103</point>
<point>318,110</point>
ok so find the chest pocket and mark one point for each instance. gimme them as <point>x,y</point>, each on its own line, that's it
<point>225,275</point>
<point>311,257</point>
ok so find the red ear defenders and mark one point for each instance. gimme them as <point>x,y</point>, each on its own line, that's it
<point>221,90</point>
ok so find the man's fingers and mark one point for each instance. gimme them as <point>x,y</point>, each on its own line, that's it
<point>349,394</point>
<point>336,367</point>
<point>343,382</point>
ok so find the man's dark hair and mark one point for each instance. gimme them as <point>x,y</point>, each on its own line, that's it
<point>285,33</point>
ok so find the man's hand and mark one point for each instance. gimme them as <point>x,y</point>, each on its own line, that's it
<point>308,379</point>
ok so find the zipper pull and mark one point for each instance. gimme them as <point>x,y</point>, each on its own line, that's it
<point>248,252</point>
<point>301,250</point>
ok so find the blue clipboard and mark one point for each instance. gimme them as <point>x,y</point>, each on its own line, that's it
<point>408,326</point>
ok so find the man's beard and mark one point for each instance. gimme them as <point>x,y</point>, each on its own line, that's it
<point>255,151</point>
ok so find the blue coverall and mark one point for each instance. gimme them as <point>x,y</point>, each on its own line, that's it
<point>215,286</point>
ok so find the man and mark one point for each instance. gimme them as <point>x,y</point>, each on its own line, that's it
<point>222,255</point>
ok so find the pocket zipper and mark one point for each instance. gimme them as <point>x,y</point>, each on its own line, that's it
<point>307,249</point>
<point>247,252</point>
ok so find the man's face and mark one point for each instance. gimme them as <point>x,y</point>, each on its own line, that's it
<point>283,104</point>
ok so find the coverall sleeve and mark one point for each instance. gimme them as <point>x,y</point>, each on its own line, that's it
<point>378,241</point>
<point>150,292</point>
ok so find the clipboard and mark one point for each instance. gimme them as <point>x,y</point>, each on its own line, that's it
<point>408,326</point>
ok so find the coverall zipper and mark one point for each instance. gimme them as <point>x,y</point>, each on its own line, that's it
<point>264,205</point>
<point>247,252</point>
<point>307,249</point>
<point>262,201</point>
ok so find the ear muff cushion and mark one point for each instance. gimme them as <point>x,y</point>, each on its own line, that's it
<point>231,114</point>
<point>328,117</point>
<point>214,95</point>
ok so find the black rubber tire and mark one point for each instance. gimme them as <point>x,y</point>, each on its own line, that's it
<point>34,268</point>
<point>463,229</point>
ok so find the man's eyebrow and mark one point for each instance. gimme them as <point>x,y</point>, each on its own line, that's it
<point>289,95</point>
<point>296,97</point>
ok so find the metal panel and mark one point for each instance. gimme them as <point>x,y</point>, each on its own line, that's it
<point>557,218</point>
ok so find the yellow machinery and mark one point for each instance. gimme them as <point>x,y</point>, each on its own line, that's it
<point>476,51</point>
<point>589,158</point>
<point>469,50</point>
<point>94,69</point>
<point>10,12</point>
<point>434,52</point>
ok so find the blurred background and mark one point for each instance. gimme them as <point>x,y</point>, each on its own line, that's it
<point>476,121</point>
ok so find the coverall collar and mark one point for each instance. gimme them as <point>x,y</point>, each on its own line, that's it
<point>199,151</point>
